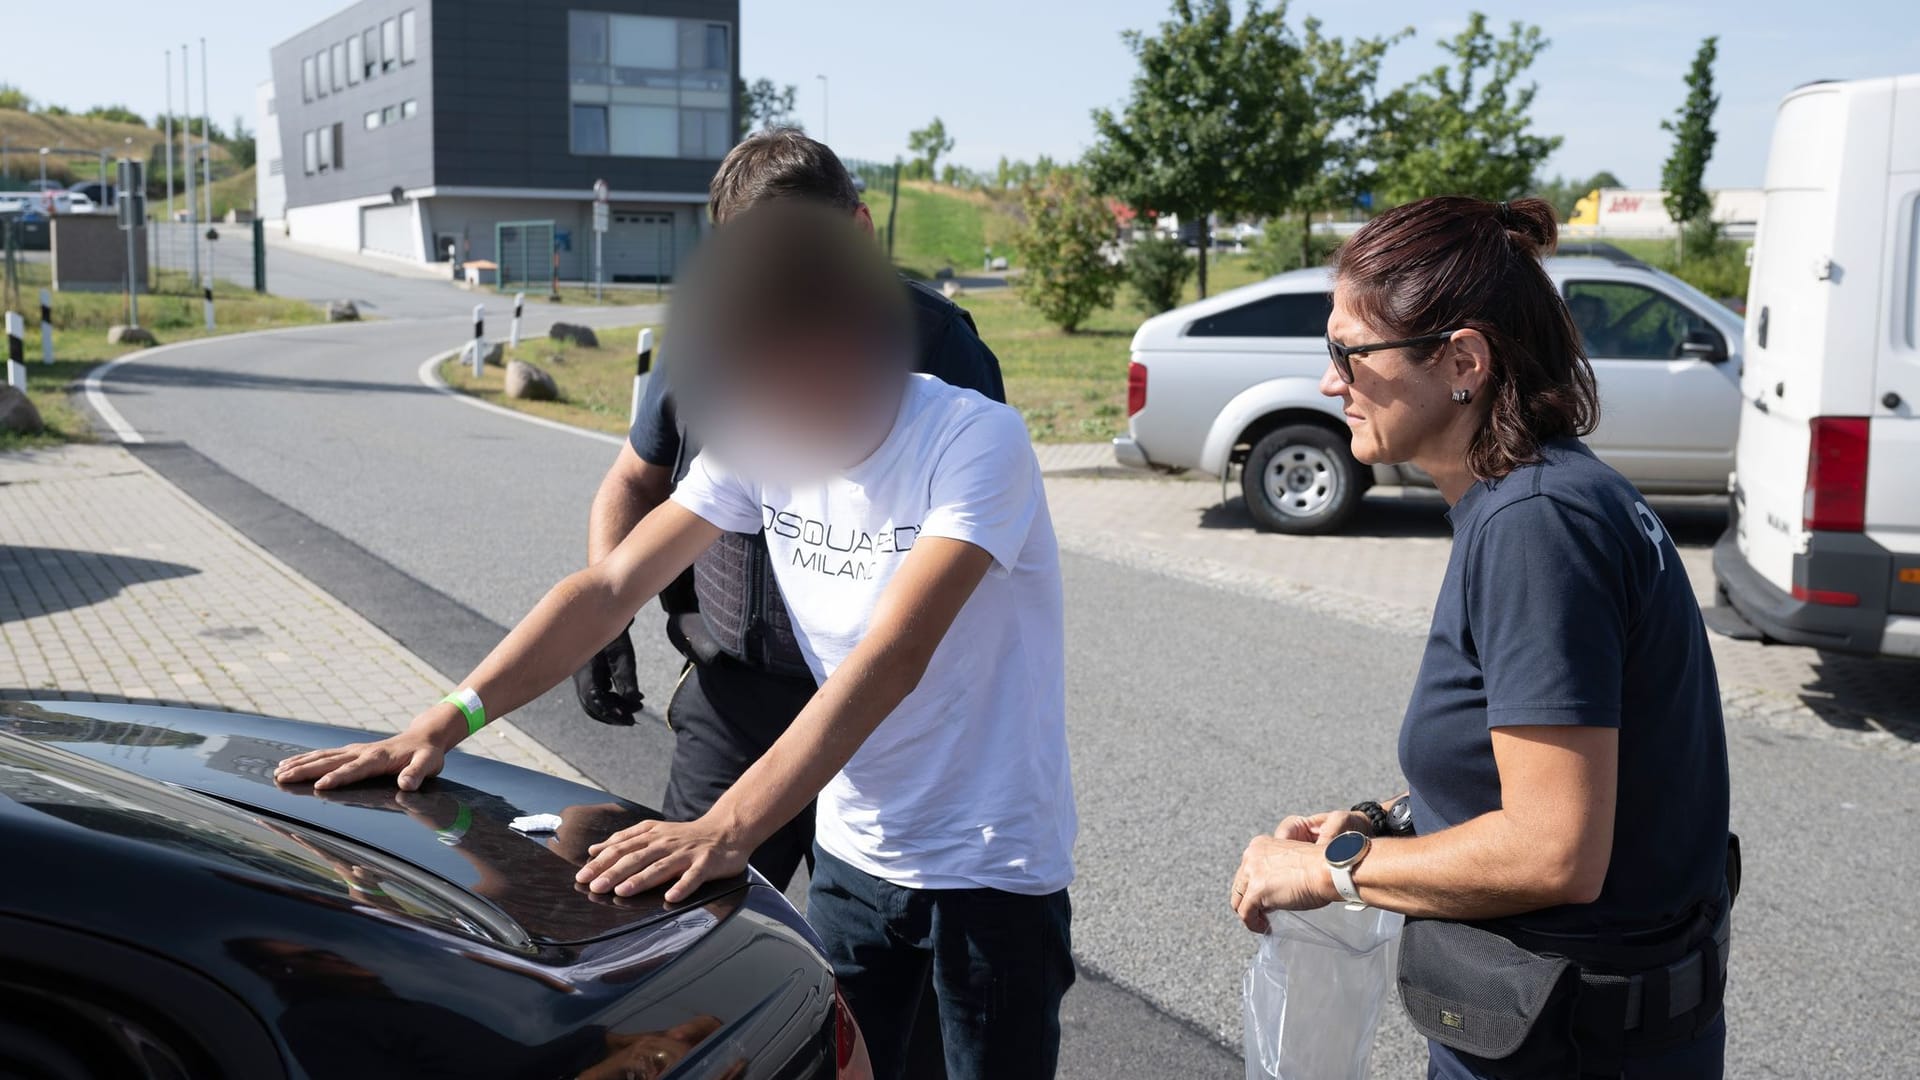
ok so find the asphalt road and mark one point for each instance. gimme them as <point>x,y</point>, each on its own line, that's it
<point>1199,715</point>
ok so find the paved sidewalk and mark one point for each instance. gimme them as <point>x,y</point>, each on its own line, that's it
<point>1385,571</point>
<point>115,585</point>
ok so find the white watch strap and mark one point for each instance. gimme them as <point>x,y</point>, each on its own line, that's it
<point>1343,882</point>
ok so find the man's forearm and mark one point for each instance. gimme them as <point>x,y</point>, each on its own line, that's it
<point>861,694</point>
<point>629,492</point>
<point>582,613</point>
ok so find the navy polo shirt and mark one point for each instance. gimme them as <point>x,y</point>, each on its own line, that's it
<point>1565,602</point>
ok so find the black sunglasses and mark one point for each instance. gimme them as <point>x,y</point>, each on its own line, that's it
<point>1342,355</point>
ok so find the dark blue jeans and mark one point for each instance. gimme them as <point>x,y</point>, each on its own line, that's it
<point>1702,1059</point>
<point>1001,962</point>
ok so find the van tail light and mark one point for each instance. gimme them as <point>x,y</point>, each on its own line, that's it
<point>850,1061</point>
<point>1136,387</point>
<point>1830,597</point>
<point>1836,499</point>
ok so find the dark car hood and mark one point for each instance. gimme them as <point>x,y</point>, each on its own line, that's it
<point>455,827</point>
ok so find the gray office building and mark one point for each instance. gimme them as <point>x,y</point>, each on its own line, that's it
<point>406,128</point>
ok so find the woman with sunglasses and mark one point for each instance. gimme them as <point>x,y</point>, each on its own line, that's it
<point>1562,855</point>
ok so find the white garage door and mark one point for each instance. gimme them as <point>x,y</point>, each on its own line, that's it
<point>389,230</point>
<point>639,246</point>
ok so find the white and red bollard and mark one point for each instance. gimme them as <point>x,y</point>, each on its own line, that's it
<point>513,333</point>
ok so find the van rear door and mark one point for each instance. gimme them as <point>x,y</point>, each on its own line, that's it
<point>1812,301</point>
<point>1893,483</point>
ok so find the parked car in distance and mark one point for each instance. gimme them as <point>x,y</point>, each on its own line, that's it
<point>169,911</point>
<point>100,193</point>
<point>1824,548</point>
<point>1234,380</point>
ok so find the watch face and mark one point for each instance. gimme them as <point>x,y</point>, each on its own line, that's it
<point>1346,846</point>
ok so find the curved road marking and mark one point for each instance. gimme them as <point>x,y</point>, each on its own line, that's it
<point>430,378</point>
<point>95,385</point>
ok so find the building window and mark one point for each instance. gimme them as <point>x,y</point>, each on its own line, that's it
<point>339,67</point>
<point>370,53</point>
<point>390,114</point>
<point>274,167</point>
<point>324,139</point>
<point>310,152</point>
<point>389,44</point>
<point>406,36</point>
<point>704,134</point>
<point>356,60</point>
<point>590,129</point>
<point>650,86</point>
<point>272,106</point>
<point>372,120</point>
<point>321,78</point>
<point>339,140</point>
<point>306,78</point>
<point>408,108</point>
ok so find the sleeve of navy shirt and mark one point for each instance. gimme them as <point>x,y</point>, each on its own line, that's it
<point>655,435</point>
<point>1548,606</point>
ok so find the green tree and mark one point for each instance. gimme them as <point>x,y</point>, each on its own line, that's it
<point>1214,119</point>
<point>1693,139</point>
<point>242,146</point>
<point>765,104</point>
<point>1564,192</point>
<point>1340,131</point>
<point>1463,127</point>
<point>12,97</point>
<point>927,145</point>
<point>1066,274</point>
<point>1158,269</point>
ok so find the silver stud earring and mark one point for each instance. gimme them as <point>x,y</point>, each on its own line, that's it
<point>1463,395</point>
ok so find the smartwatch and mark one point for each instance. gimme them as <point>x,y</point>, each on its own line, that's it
<point>1344,852</point>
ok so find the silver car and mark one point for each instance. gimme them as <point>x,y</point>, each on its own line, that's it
<point>1234,380</point>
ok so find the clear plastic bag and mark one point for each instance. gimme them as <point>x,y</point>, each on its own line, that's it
<point>1314,992</point>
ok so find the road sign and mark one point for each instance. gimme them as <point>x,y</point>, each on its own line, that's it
<point>600,191</point>
<point>599,217</point>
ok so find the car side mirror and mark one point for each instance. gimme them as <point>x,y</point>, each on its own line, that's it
<point>1704,345</point>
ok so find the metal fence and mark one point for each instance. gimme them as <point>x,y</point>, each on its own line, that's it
<point>226,253</point>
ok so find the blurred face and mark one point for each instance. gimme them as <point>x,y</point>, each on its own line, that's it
<point>803,406</point>
<point>1396,407</point>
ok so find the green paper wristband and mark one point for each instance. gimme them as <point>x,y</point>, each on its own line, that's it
<point>469,705</point>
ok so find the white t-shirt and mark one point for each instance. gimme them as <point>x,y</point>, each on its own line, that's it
<point>966,784</point>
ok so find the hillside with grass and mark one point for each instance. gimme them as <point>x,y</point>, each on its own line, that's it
<point>938,225</point>
<point>24,133</point>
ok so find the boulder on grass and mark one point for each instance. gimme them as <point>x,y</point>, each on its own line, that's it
<point>574,333</point>
<point>529,383</point>
<point>129,335</point>
<point>342,311</point>
<point>496,353</point>
<point>950,288</point>
<point>17,414</point>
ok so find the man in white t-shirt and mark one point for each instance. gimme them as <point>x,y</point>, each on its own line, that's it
<point>909,533</point>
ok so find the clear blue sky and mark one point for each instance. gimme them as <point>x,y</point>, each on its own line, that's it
<point>1018,77</point>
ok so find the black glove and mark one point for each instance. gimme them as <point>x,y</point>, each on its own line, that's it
<point>606,687</point>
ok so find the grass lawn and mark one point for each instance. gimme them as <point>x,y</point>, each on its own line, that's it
<point>80,339</point>
<point>942,226</point>
<point>596,385</point>
<point>1070,387</point>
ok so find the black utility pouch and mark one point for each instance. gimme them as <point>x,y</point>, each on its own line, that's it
<point>1508,1011</point>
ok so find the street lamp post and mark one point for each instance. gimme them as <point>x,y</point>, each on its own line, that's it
<point>826,120</point>
<point>43,169</point>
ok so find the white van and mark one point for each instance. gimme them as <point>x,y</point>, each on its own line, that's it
<point>1825,544</point>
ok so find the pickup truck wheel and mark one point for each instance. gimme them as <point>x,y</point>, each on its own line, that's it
<point>1301,478</point>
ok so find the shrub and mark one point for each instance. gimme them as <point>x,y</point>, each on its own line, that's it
<point>1066,274</point>
<point>1158,269</point>
<point>1279,248</point>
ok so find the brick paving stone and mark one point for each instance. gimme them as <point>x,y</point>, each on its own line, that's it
<point>1386,570</point>
<point>115,585</point>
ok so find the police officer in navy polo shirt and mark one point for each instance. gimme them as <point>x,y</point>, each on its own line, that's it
<point>1565,868</point>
